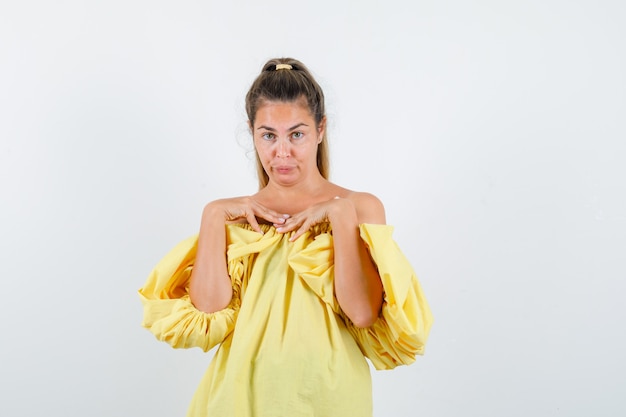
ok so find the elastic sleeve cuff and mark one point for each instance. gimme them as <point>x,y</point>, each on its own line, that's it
<point>402,329</point>
<point>168,311</point>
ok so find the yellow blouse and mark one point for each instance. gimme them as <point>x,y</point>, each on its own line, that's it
<point>286,348</point>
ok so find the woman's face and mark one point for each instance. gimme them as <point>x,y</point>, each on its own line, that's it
<point>286,139</point>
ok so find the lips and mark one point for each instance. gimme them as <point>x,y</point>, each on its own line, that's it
<point>283,169</point>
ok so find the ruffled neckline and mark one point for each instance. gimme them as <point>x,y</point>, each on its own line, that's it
<point>318,229</point>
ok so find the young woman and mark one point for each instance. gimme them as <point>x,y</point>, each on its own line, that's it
<point>298,283</point>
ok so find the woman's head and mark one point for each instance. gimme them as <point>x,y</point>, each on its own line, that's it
<point>288,80</point>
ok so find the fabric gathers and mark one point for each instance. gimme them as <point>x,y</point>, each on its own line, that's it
<point>286,348</point>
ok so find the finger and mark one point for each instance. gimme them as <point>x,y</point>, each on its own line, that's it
<point>305,226</point>
<point>253,223</point>
<point>268,214</point>
<point>290,224</point>
<point>278,219</point>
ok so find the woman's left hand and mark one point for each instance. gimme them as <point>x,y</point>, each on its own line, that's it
<point>316,214</point>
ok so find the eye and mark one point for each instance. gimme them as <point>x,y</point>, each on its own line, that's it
<point>297,135</point>
<point>268,136</point>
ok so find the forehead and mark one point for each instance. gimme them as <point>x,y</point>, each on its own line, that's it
<point>270,111</point>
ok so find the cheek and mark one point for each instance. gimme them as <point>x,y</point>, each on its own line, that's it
<point>264,153</point>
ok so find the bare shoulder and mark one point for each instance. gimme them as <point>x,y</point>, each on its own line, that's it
<point>368,207</point>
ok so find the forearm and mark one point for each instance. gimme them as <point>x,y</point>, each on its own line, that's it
<point>357,285</point>
<point>210,288</point>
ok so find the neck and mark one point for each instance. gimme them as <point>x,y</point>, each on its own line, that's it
<point>293,198</point>
<point>310,186</point>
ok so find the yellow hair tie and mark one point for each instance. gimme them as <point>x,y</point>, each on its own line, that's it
<point>283,66</point>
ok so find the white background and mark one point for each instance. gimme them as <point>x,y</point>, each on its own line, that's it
<point>493,131</point>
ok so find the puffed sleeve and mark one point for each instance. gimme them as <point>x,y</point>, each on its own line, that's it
<point>168,311</point>
<point>402,328</point>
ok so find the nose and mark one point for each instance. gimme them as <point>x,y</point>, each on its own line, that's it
<point>282,148</point>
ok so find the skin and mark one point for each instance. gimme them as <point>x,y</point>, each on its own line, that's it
<point>296,198</point>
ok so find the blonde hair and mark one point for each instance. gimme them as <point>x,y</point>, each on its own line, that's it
<point>291,82</point>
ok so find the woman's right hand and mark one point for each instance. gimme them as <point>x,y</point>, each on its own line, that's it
<point>238,208</point>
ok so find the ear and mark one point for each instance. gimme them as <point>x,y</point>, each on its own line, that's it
<point>321,129</point>
<point>250,126</point>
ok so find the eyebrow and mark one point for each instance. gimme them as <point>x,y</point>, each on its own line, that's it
<point>271,129</point>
